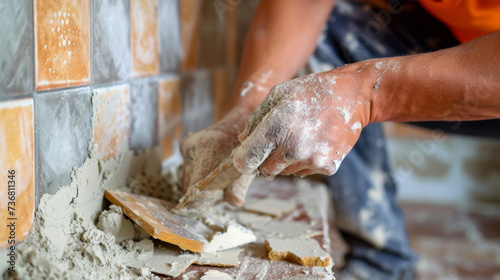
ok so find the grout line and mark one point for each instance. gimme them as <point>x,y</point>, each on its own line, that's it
<point>33,45</point>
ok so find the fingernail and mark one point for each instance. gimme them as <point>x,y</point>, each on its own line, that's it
<point>234,201</point>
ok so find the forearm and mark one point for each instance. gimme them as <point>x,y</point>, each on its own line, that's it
<point>457,84</point>
<point>282,36</point>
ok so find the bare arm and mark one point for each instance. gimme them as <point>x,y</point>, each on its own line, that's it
<point>308,125</point>
<point>282,36</point>
<point>461,83</point>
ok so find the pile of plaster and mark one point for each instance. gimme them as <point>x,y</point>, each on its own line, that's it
<point>72,237</point>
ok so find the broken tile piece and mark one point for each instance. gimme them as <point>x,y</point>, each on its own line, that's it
<point>171,261</point>
<point>216,275</point>
<point>250,219</point>
<point>226,258</point>
<point>164,260</point>
<point>234,235</point>
<point>270,206</point>
<point>303,251</point>
<point>264,227</point>
<point>152,215</point>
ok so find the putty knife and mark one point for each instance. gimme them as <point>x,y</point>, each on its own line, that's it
<point>211,189</point>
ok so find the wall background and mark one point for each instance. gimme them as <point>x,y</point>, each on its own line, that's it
<point>129,74</point>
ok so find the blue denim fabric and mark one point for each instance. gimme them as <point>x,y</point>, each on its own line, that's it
<point>363,189</point>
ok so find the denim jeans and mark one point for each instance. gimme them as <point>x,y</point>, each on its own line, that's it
<point>363,189</point>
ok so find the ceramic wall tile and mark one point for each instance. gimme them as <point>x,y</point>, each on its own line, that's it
<point>16,153</point>
<point>16,45</point>
<point>63,131</point>
<point>110,40</point>
<point>62,43</point>
<point>143,109</point>
<point>218,33</point>
<point>111,120</point>
<point>170,37</point>
<point>190,25</point>
<point>169,114</point>
<point>213,32</point>
<point>197,103</point>
<point>144,37</point>
<point>244,14</point>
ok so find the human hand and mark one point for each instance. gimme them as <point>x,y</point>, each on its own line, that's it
<point>305,126</point>
<point>205,150</point>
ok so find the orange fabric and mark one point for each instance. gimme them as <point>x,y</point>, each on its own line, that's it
<point>467,19</point>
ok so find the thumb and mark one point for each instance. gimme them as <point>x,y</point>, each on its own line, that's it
<point>235,193</point>
<point>275,95</point>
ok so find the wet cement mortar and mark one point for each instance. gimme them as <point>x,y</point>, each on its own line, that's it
<point>73,238</point>
<point>77,234</point>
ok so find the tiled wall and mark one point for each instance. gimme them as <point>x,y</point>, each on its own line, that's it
<point>128,74</point>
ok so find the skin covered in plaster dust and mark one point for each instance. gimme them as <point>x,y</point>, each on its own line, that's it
<point>204,150</point>
<point>274,37</point>
<point>305,126</point>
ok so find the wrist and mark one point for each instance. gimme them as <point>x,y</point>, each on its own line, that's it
<point>251,89</point>
<point>356,82</point>
<point>385,86</point>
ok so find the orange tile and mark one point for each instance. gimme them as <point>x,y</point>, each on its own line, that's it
<point>167,143</point>
<point>190,16</point>
<point>111,120</point>
<point>16,152</point>
<point>144,37</point>
<point>169,114</point>
<point>213,35</point>
<point>62,43</point>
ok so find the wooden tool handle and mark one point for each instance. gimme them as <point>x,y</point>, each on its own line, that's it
<point>217,180</point>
